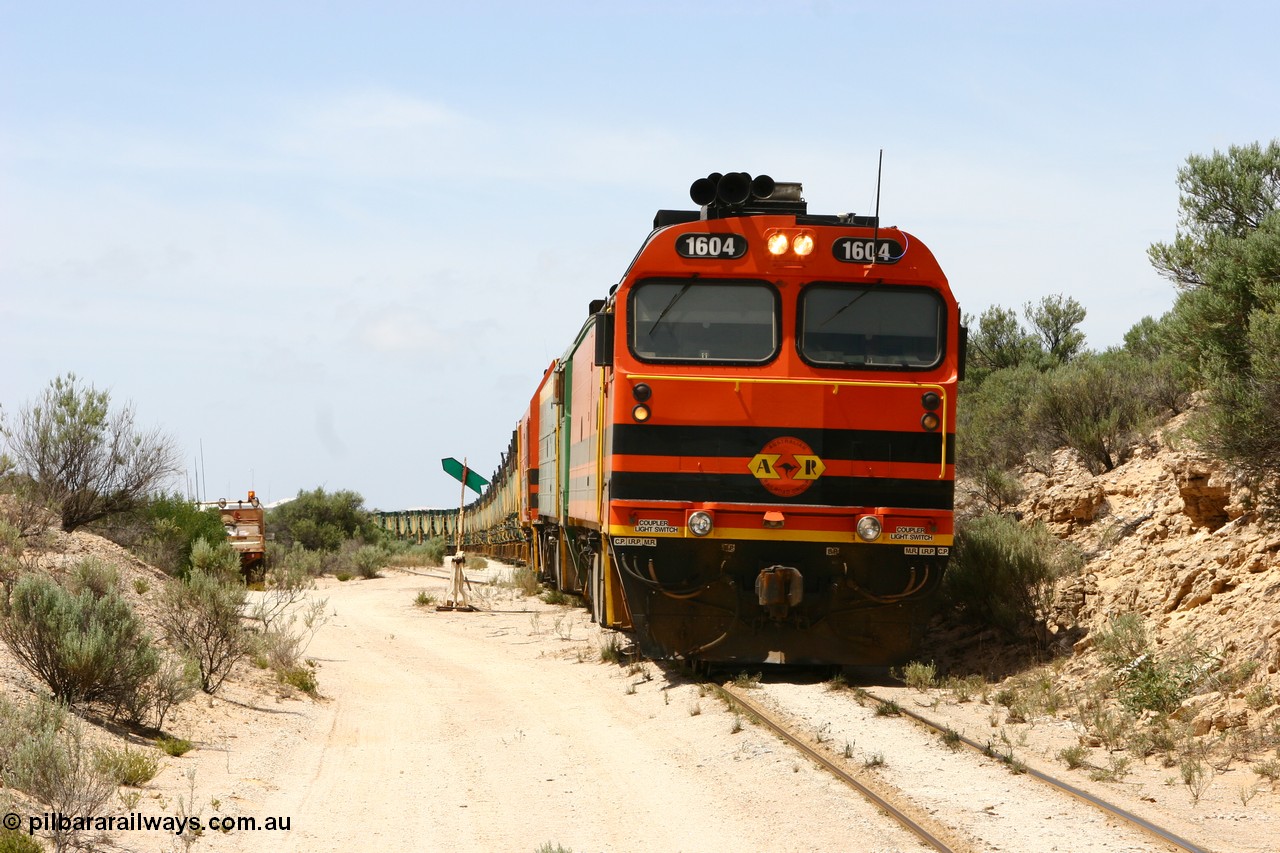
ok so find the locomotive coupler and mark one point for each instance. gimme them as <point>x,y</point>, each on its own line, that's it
<point>778,589</point>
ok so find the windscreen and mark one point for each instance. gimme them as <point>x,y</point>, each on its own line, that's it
<point>703,320</point>
<point>871,326</point>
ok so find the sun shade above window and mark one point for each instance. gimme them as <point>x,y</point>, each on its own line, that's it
<point>874,327</point>
<point>703,320</point>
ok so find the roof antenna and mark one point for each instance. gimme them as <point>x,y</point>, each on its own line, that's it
<point>875,235</point>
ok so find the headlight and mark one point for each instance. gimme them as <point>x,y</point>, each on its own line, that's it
<point>700,523</point>
<point>869,528</point>
<point>778,243</point>
<point>930,421</point>
<point>640,413</point>
<point>803,244</point>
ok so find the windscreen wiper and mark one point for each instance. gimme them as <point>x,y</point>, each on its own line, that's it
<point>670,304</point>
<point>842,308</point>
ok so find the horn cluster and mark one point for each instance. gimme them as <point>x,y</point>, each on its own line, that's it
<point>730,190</point>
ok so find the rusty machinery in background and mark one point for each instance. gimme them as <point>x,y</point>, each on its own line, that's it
<point>243,520</point>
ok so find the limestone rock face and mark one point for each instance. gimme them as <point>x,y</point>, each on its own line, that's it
<point>1205,489</point>
<point>1167,535</point>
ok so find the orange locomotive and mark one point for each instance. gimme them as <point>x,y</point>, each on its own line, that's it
<point>747,453</point>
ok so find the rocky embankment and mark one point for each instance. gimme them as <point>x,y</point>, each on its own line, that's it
<point>1172,536</point>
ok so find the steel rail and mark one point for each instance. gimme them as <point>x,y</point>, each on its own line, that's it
<point>1058,784</point>
<point>908,822</point>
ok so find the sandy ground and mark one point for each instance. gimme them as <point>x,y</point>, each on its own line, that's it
<point>497,731</point>
<point>502,730</point>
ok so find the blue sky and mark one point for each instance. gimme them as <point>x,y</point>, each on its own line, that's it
<point>330,243</point>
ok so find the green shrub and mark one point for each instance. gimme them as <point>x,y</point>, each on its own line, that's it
<point>84,460</point>
<point>16,841</point>
<point>993,433</point>
<point>1122,641</point>
<point>1269,770</point>
<point>125,766</point>
<point>1146,681</point>
<point>44,754</point>
<point>1002,573</point>
<point>525,579</point>
<point>368,559</point>
<point>355,558</point>
<point>1163,735</point>
<point>1241,416</point>
<point>1096,405</point>
<point>920,676</point>
<point>201,617</point>
<point>1231,678</point>
<point>97,576</point>
<point>556,596</point>
<point>11,548</point>
<point>404,553</point>
<point>1055,320</point>
<point>11,544</point>
<point>85,649</point>
<point>301,677</point>
<point>964,689</point>
<point>164,529</point>
<point>215,558</point>
<point>175,746</point>
<point>284,587</point>
<point>175,682</point>
<point>279,649</point>
<point>999,342</point>
<point>434,549</point>
<point>1260,697</point>
<point>1225,323</point>
<point>998,489</point>
<point>282,641</point>
<point>297,559</point>
<point>1156,685</point>
<point>20,721</point>
<point>322,521</point>
<point>611,649</point>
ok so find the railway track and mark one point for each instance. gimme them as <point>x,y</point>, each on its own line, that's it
<point>926,829</point>
<point>1156,832</point>
<point>920,818</point>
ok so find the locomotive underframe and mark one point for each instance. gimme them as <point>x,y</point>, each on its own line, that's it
<point>767,601</point>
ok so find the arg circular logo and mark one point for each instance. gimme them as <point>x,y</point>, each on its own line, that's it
<point>786,466</point>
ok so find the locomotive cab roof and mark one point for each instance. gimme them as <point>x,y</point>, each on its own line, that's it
<point>734,194</point>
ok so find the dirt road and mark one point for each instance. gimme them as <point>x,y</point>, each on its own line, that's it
<point>503,731</point>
